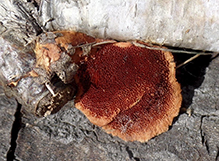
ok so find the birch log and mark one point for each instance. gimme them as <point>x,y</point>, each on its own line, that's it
<point>180,23</point>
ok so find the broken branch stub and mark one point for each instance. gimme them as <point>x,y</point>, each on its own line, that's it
<point>130,91</point>
<point>41,77</point>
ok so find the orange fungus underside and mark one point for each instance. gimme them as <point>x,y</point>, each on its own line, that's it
<point>130,91</point>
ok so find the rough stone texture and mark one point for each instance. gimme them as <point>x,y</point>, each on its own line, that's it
<point>69,135</point>
<point>7,110</point>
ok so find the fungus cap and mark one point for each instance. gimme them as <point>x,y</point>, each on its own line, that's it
<point>130,91</point>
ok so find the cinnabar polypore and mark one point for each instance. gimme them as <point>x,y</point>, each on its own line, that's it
<point>130,91</point>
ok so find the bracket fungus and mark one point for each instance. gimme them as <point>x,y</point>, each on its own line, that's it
<point>129,90</point>
<point>126,88</point>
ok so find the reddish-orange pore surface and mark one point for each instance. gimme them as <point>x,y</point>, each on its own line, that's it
<point>129,91</point>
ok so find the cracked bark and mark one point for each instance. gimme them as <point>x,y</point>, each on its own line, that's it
<point>217,156</point>
<point>7,110</point>
<point>14,133</point>
<point>131,156</point>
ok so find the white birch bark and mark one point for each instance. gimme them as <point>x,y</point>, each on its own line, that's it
<point>182,23</point>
